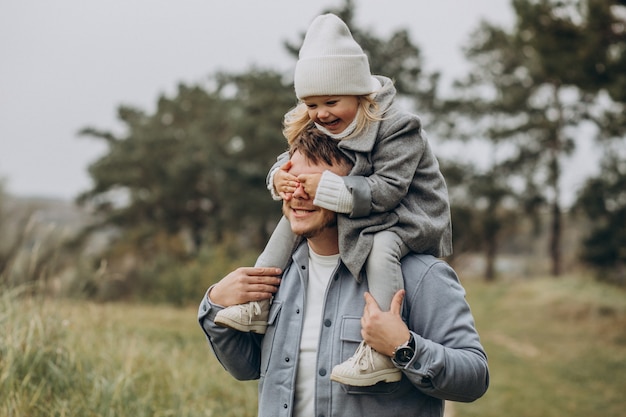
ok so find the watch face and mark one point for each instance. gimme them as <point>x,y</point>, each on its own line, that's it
<point>403,355</point>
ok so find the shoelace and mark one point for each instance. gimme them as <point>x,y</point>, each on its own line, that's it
<point>252,309</point>
<point>363,357</point>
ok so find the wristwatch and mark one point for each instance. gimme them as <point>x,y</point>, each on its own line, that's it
<point>403,354</point>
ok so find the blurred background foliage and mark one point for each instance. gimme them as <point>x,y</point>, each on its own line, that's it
<point>179,197</point>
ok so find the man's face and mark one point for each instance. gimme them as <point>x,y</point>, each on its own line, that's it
<point>306,219</point>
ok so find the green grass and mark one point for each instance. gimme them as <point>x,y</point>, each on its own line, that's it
<point>557,347</point>
<point>60,358</point>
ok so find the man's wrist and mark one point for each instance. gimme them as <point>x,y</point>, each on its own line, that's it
<point>404,353</point>
<point>210,296</point>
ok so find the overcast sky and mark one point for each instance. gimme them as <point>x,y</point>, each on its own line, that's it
<point>68,64</point>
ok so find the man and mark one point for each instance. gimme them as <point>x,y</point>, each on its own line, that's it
<point>320,313</point>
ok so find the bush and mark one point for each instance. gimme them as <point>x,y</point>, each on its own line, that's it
<point>168,280</point>
<point>603,200</point>
<point>164,278</point>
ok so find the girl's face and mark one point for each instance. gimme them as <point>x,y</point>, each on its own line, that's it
<point>335,113</point>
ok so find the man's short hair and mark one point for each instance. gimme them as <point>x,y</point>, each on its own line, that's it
<point>319,147</point>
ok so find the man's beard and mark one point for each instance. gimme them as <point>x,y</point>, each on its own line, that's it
<point>329,223</point>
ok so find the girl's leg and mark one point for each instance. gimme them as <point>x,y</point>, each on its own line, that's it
<point>383,268</point>
<point>279,247</point>
<point>384,277</point>
<point>252,316</point>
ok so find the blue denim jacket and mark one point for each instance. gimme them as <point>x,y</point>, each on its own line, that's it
<point>450,362</point>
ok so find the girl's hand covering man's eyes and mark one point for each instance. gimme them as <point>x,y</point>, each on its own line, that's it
<point>284,182</point>
<point>310,183</point>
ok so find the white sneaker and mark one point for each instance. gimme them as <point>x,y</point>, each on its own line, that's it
<point>249,317</point>
<point>366,367</point>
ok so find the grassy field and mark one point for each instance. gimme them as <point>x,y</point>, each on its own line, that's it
<point>557,347</point>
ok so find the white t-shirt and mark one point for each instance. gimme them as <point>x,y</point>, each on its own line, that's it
<point>321,269</point>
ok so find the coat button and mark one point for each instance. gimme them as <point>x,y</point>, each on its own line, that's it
<point>327,322</point>
<point>322,372</point>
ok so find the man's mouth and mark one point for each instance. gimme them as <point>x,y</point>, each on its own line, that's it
<point>301,211</point>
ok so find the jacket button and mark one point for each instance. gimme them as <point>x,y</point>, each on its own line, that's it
<point>286,359</point>
<point>327,322</point>
<point>322,372</point>
<point>303,267</point>
<point>285,405</point>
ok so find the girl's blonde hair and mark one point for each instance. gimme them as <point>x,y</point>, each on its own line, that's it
<point>297,120</point>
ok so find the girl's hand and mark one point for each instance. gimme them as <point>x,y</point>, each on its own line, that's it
<point>309,183</point>
<point>285,183</point>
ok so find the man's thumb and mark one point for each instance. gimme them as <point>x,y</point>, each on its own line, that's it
<point>396,302</point>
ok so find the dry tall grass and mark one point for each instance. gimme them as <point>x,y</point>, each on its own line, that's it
<point>557,347</point>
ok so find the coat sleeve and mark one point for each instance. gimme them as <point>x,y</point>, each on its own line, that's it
<point>269,180</point>
<point>395,159</point>
<point>239,353</point>
<point>450,362</point>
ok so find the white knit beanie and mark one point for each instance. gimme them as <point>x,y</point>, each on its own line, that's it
<point>331,62</point>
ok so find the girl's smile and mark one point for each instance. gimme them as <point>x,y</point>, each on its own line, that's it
<point>335,113</point>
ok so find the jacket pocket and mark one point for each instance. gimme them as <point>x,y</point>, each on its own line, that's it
<point>350,336</point>
<point>270,334</point>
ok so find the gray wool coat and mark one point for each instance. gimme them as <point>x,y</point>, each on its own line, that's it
<point>396,185</point>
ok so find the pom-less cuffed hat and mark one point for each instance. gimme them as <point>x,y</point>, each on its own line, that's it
<point>331,62</point>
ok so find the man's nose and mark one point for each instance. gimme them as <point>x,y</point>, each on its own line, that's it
<point>300,193</point>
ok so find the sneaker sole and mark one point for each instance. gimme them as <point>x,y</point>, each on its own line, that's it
<point>254,327</point>
<point>371,379</point>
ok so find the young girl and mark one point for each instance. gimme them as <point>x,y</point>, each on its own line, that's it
<point>394,200</point>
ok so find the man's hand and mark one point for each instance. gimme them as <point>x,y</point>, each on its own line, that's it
<point>246,284</point>
<point>384,330</point>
